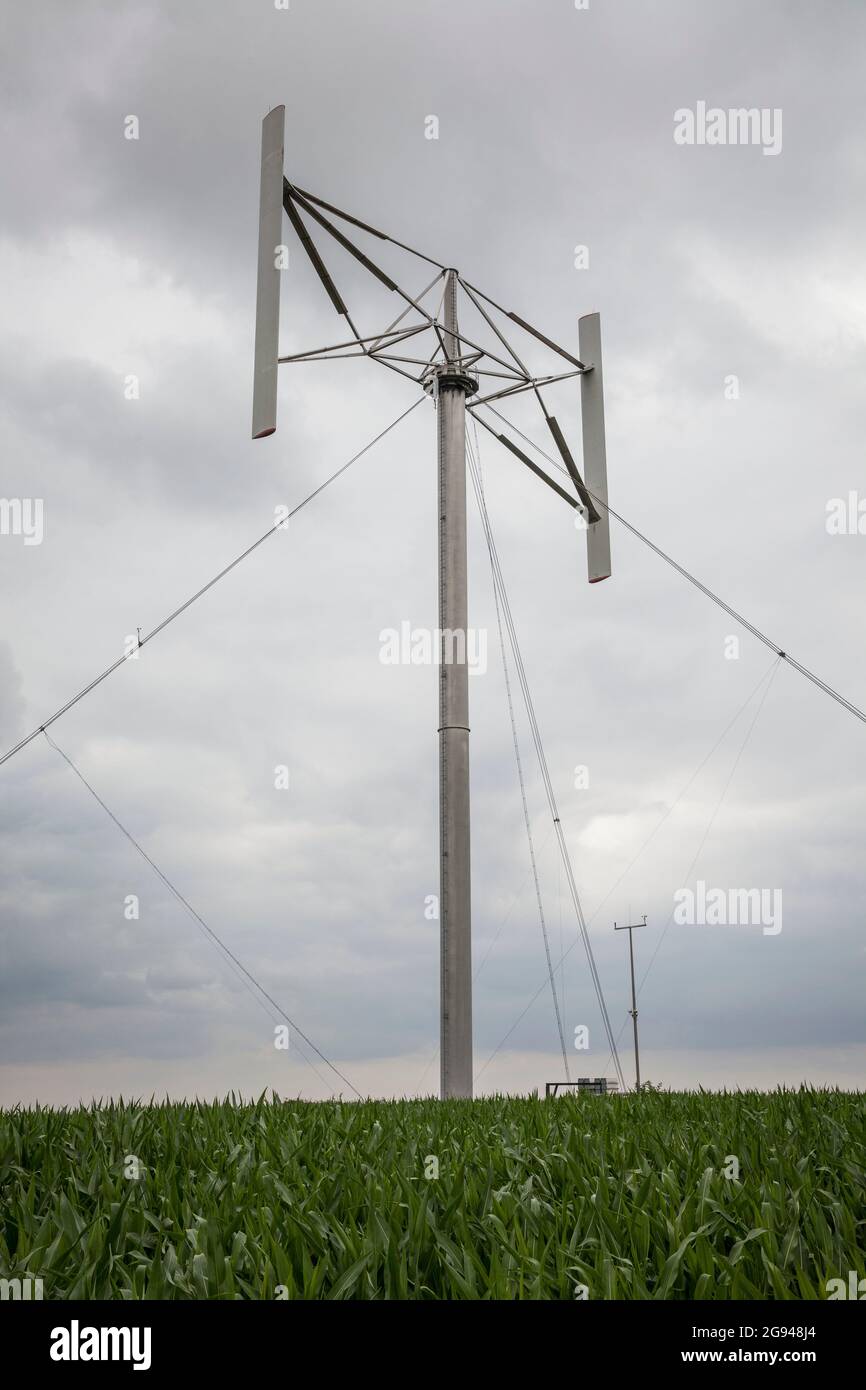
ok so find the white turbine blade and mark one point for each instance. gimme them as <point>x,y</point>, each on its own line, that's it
<point>268,290</point>
<point>594,451</point>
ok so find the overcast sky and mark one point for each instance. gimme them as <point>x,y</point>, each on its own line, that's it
<point>137,257</point>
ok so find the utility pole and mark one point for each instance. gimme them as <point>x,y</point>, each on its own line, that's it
<point>455,919</point>
<point>633,1009</point>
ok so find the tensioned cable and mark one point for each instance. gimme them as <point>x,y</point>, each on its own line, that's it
<point>277,526</point>
<point>732,612</point>
<point>478,485</point>
<point>474,456</point>
<point>563,848</point>
<point>551,797</point>
<point>202,923</point>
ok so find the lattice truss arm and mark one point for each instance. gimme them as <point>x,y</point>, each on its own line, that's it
<point>377,346</point>
<point>416,346</point>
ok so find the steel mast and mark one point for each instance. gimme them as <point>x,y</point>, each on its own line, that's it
<point>455,910</point>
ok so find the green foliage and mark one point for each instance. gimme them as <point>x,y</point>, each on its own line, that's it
<point>626,1195</point>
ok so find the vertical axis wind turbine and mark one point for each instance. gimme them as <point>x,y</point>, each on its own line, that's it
<point>451,375</point>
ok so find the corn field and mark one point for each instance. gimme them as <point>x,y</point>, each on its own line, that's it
<point>654,1196</point>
